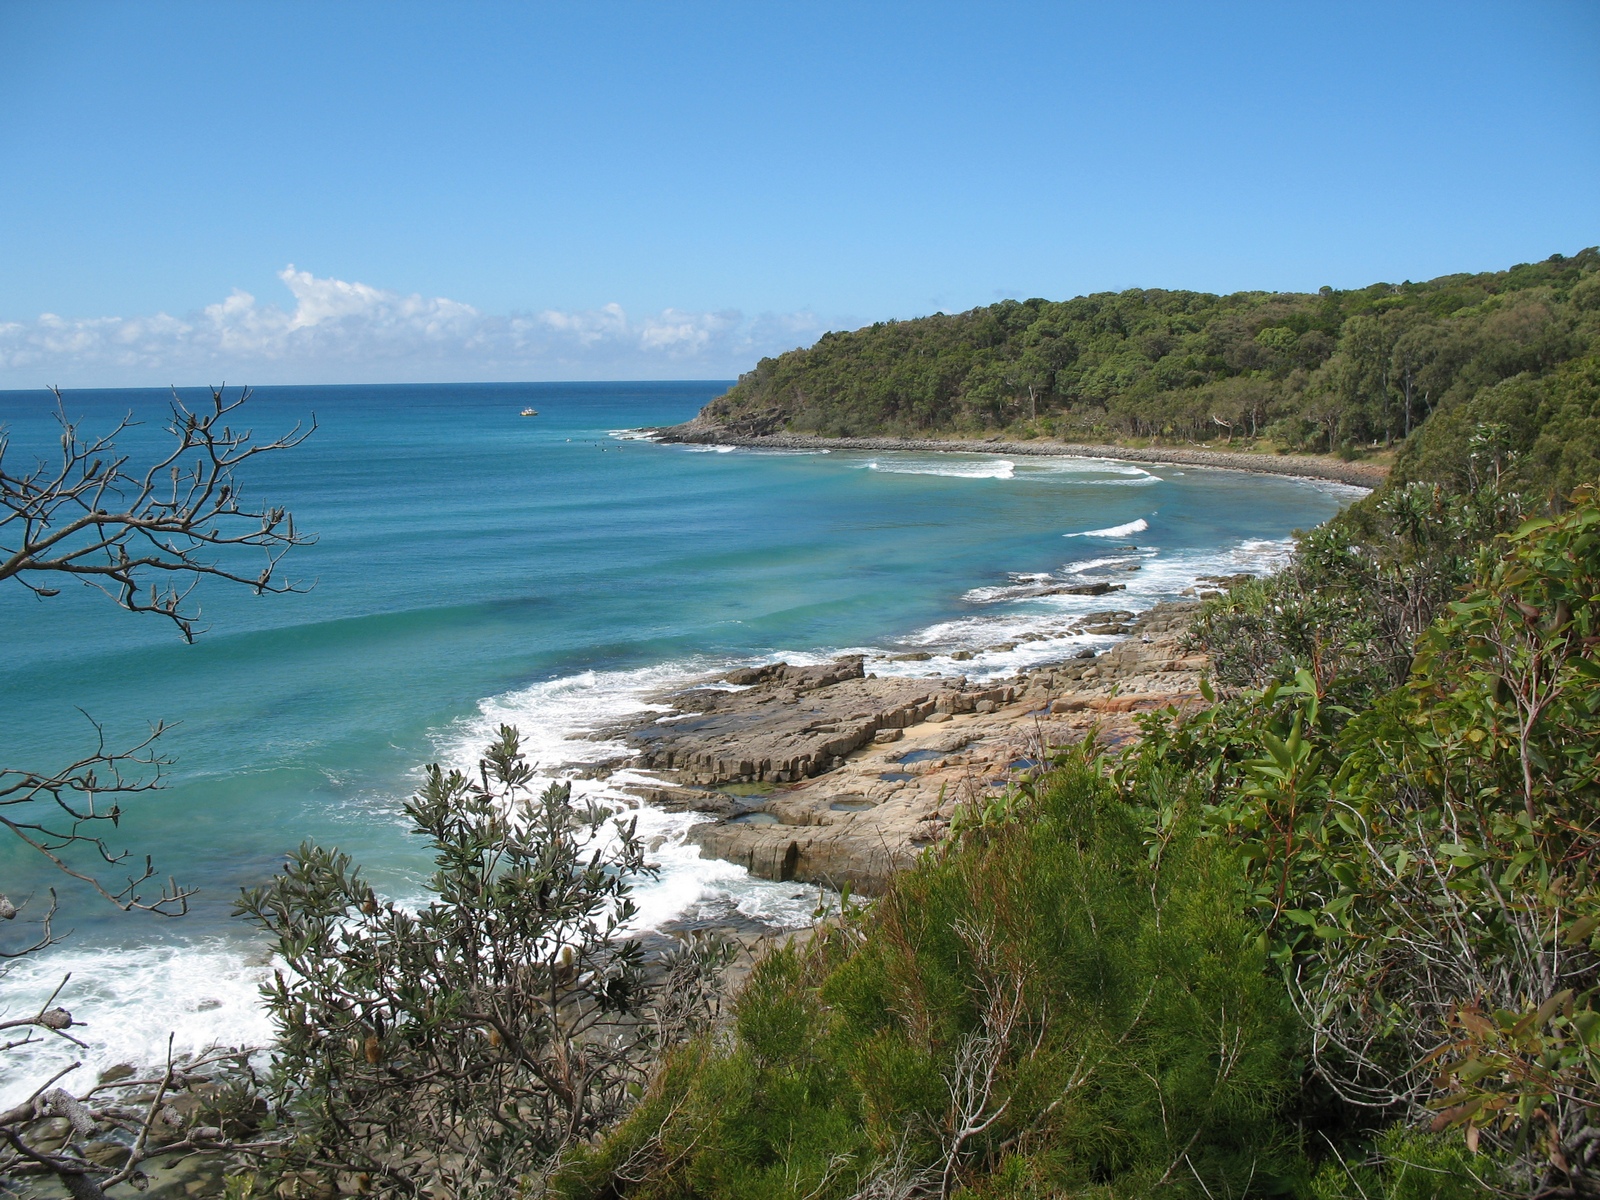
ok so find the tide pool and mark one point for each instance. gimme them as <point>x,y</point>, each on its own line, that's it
<point>474,566</point>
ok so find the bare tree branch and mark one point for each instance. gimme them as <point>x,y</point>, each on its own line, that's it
<point>146,537</point>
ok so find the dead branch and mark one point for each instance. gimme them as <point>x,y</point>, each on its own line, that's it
<point>92,517</point>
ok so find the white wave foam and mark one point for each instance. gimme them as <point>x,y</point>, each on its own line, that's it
<point>1141,481</point>
<point>206,993</point>
<point>558,721</point>
<point>1341,491</point>
<point>1073,465</point>
<point>999,468</point>
<point>1115,531</point>
<point>1082,566</point>
<point>1090,472</point>
<point>1049,587</point>
<point>1046,634</point>
<point>130,999</point>
<point>1036,626</point>
<point>1001,591</point>
<point>1263,555</point>
<point>1044,467</point>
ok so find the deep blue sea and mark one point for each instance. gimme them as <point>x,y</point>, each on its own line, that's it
<point>475,566</point>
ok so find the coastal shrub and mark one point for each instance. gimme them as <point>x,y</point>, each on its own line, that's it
<point>1404,1164</point>
<point>1361,590</point>
<point>1422,869</point>
<point>1067,1001</point>
<point>460,1047</point>
<point>1358,592</point>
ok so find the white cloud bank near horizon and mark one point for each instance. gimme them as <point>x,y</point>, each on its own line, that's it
<point>341,332</point>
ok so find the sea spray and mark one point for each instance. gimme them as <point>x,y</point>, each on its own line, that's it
<point>129,1000</point>
<point>558,719</point>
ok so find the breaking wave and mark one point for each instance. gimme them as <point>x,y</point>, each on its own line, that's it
<point>1115,531</point>
<point>1000,468</point>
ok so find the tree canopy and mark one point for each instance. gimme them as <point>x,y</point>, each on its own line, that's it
<point>1325,371</point>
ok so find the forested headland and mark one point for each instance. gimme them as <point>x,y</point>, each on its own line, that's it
<point>1331,372</point>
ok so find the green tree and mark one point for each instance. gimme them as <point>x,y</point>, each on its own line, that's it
<point>1422,862</point>
<point>466,1045</point>
<point>1066,1001</point>
<point>1362,365</point>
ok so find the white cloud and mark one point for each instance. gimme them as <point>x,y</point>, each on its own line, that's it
<point>338,331</point>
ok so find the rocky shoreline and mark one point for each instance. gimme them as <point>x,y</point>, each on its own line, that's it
<point>1357,474</point>
<point>837,777</point>
<point>833,776</point>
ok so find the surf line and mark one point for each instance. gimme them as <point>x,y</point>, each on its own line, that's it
<point>1115,531</point>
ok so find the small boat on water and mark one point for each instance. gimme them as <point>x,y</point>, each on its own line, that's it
<point>530,412</point>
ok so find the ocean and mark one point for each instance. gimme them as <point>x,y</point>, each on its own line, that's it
<point>475,567</point>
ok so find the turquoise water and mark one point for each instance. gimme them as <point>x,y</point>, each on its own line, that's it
<point>475,566</point>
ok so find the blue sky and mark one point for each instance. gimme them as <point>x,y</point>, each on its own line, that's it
<point>670,190</point>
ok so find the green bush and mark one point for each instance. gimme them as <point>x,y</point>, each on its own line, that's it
<point>1407,1165</point>
<point>1069,1000</point>
<point>458,1049</point>
<point>1423,865</point>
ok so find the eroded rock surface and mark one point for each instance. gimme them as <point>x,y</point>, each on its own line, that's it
<point>782,723</point>
<point>823,774</point>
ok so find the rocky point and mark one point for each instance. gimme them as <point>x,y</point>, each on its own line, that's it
<point>830,775</point>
